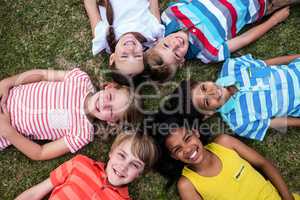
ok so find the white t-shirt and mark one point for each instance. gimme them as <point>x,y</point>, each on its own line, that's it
<point>129,16</point>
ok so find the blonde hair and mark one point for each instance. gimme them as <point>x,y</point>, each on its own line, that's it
<point>142,147</point>
<point>132,113</point>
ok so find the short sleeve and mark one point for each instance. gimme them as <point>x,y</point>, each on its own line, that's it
<point>212,53</point>
<point>61,173</point>
<point>76,73</point>
<point>99,42</point>
<point>254,130</point>
<point>79,137</point>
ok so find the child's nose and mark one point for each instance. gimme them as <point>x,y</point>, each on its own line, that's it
<point>175,44</point>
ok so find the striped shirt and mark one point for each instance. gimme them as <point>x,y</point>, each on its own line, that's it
<point>264,92</point>
<point>50,110</point>
<point>210,23</point>
<point>82,178</point>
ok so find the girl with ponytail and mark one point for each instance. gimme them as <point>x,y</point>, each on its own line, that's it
<point>124,29</point>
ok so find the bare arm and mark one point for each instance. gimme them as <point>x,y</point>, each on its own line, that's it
<point>258,31</point>
<point>281,60</point>
<point>154,9</point>
<point>258,161</point>
<point>280,122</point>
<point>31,149</point>
<point>93,13</point>
<point>37,192</point>
<point>30,76</point>
<point>186,190</point>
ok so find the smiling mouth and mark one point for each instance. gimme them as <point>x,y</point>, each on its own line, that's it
<point>129,42</point>
<point>193,156</point>
<point>118,173</point>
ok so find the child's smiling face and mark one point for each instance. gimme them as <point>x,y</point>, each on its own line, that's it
<point>123,167</point>
<point>173,48</point>
<point>208,96</point>
<point>110,104</point>
<point>185,146</point>
<point>128,56</point>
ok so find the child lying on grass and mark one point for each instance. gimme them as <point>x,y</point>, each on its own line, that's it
<point>58,106</point>
<point>84,178</point>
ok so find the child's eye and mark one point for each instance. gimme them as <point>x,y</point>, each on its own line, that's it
<point>121,155</point>
<point>187,138</point>
<point>135,165</point>
<point>165,45</point>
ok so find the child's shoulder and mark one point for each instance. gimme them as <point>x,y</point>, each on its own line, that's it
<point>82,158</point>
<point>224,140</point>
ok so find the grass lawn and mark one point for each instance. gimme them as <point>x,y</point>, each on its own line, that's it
<point>56,34</point>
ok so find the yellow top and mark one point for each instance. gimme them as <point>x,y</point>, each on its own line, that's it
<point>237,180</point>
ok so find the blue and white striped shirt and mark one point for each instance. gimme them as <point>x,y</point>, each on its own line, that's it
<point>264,92</point>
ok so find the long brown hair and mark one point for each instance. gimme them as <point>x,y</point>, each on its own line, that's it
<point>110,37</point>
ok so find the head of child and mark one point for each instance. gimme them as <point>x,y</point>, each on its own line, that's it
<point>204,97</point>
<point>167,56</point>
<point>114,103</point>
<point>131,154</point>
<point>180,143</point>
<point>127,52</point>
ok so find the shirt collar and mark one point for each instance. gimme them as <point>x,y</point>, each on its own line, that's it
<point>123,190</point>
<point>230,103</point>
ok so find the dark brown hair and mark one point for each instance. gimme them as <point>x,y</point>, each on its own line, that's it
<point>110,37</point>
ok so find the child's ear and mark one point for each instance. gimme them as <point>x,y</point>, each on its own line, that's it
<point>110,85</point>
<point>173,156</point>
<point>112,59</point>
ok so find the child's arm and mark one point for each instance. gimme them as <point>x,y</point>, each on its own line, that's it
<point>186,190</point>
<point>281,60</point>
<point>37,192</point>
<point>93,13</point>
<point>258,161</point>
<point>30,76</point>
<point>281,122</point>
<point>31,149</point>
<point>154,8</point>
<point>258,31</point>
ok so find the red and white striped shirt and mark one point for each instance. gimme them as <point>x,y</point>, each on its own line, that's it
<point>49,110</point>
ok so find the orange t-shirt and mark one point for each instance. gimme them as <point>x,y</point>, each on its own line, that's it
<point>84,178</point>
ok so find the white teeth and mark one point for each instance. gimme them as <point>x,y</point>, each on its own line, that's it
<point>193,155</point>
<point>118,173</point>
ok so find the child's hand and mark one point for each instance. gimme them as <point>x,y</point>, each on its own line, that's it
<point>280,15</point>
<point>5,86</point>
<point>5,122</point>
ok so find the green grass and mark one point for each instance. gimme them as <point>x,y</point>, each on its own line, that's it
<point>56,34</point>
